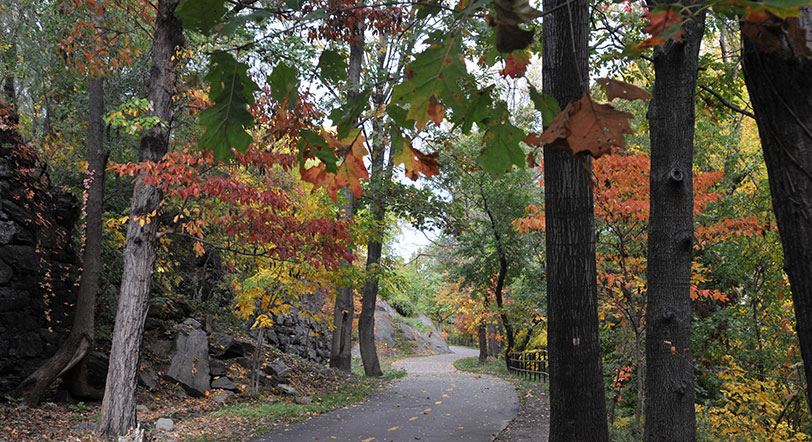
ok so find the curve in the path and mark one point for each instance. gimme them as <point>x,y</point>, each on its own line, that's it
<point>433,403</point>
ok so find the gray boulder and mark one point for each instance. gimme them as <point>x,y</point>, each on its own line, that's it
<point>227,346</point>
<point>278,370</point>
<point>190,362</point>
<point>287,390</point>
<point>165,424</point>
<point>223,383</point>
<point>217,368</point>
<point>147,377</point>
<point>223,397</point>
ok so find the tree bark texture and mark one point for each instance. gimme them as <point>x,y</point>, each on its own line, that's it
<point>577,402</point>
<point>482,336</point>
<point>669,379</point>
<point>380,176</point>
<point>118,407</point>
<point>80,340</point>
<point>341,346</point>
<point>779,82</point>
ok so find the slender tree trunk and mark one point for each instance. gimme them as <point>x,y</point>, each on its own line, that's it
<point>482,335</point>
<point>80,340</point>
<point>669,370</point>
<point>340,351</point>
<point>500,279</point>
<point>779,82</point>
<point>118,406</point>
<point>577,402</point>
<point>380,177</point>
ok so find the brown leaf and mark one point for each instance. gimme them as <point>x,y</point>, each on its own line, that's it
<point>620,89</point>
<point>509,15</point>
<point>416,162</point>
<point>586,126</point>
<point>435,111</point>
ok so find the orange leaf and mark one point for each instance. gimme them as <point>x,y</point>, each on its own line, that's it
<point>435,110</point>
<point>661,22</point>
<point>516,64</point>
<point>416,162</point>
<point>586,126</point>
<point>620,89</point>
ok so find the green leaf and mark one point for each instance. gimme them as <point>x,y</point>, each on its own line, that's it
<point>500,148</point>
<point>332,67</point>
<point>398,115</point>
<point>200,15</point>
<point>227,119</point>
<point>437,72</point>
<point>284,81</point>
<point>319,148</point>
<point>294,4</point>
<point>547,105</point>
<point>239,21</point>
<point>479,110</point>
<point>345,117</point>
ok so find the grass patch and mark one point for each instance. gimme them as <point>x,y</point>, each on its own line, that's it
<point>491,366</point>
<point>389,373</point>
<point>496,367</point>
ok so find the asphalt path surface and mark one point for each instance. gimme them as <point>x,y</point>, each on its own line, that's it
<point>434,403</point>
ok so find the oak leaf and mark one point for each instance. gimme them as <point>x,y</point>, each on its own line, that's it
<point>586,126</point>
<point>620,89</point>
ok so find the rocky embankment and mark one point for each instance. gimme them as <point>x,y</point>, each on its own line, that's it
<point>395,337</point>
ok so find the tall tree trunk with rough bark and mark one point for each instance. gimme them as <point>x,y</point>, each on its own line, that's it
<point>118,407</point>
<point>577,402</point>
<point>779,81</point>
<point>340,350</point>
<point>669,380</point>
<point>80,340</point>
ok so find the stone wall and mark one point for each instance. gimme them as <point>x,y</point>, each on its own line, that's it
<point>38,268</point>
<point>302,335</point>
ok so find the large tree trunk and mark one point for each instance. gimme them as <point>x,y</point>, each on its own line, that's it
<point>577,402</point>
<point>118,406</point>
<point>669,371</point>
<point>779,82</point>
<point>341,348</point>
<point>80,340</point>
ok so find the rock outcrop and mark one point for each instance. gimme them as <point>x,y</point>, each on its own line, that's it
<point>394,336</point>
<point>38,267</point>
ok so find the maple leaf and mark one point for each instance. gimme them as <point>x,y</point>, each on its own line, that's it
<point>586,126</point>
<point>435,75</point>
<point>516,64</point>
<point>349,173</point>
<point>620,89</point>
<point>416,162</point>
<point>509,15</point>
<point>664,22</point>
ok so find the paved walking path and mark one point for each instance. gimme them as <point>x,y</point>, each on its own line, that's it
<point>433,403</point>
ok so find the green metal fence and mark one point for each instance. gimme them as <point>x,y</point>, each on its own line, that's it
<point>529,364</point>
